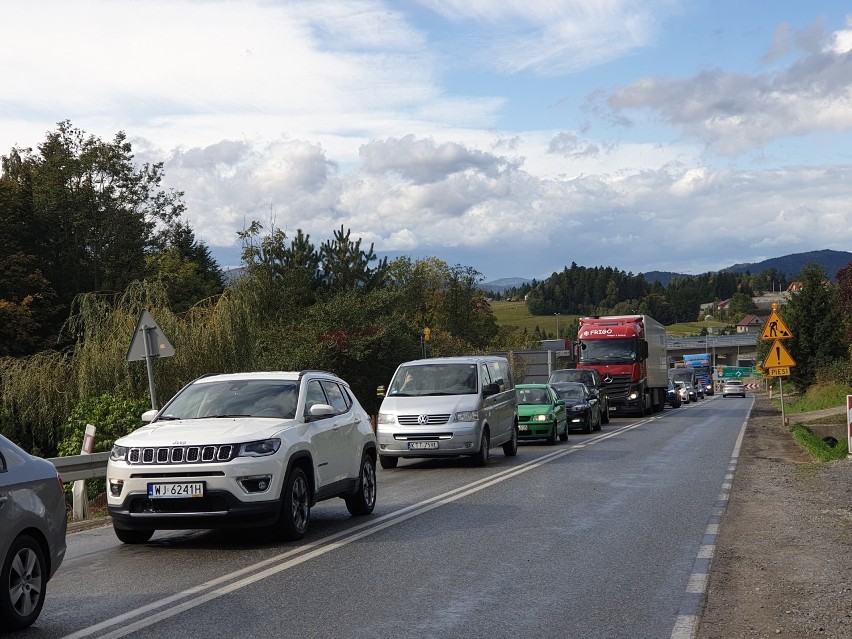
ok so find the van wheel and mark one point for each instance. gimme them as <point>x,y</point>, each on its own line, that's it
<point>510,448</point>
<point>481,458</point>
<point>388,461</point>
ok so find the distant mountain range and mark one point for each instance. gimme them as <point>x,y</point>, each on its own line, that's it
<point>790,265</point>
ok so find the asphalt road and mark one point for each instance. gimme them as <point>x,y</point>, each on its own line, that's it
<point>600,536</point>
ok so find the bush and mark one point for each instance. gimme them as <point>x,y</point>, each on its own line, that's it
<point>112,415</point>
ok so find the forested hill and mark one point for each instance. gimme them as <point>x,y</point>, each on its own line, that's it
<point>580,290</point>
<point>791,266</point>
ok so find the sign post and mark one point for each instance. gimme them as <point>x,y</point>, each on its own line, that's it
<point>80,507</point>
<point>849,425</point>
<point>778,361</point>
<point>149,342</point>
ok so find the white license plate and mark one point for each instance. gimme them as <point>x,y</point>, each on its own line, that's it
<point>174,491</point>
<point>523,428</point>
<point>422,445</point>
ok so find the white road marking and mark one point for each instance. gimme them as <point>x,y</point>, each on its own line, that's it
<point>215,588</point>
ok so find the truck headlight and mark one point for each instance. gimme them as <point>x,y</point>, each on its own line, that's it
<point>633,395</point>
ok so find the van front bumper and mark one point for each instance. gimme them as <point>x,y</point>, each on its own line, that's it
<point>462,438</point>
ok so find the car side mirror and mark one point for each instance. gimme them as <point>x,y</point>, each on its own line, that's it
<point>320,410</point>
<point>560,402</point>
<point>490,389</point>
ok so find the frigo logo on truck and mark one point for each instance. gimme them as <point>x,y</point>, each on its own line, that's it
<point>597,331</point>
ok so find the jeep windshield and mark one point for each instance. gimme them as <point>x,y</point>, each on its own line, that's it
<point>435,379</point>
<point>239,398</point>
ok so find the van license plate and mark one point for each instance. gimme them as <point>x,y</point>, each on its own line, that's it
<point>169,491</point>
<point>422,445</point>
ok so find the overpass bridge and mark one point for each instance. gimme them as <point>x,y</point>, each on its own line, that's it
<point>725,350</point>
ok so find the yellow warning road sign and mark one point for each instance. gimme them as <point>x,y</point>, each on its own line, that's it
<point>775,328</point>
<point>778,356</point>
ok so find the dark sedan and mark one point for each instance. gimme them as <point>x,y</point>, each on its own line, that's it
<point>584,409</point>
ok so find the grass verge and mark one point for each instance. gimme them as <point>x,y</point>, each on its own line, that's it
<point>816,447</point>
<point>817,397</point>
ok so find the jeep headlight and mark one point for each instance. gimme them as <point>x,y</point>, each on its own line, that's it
<point>261,448</point>
<point>118,453</point>
<point>467,416</point>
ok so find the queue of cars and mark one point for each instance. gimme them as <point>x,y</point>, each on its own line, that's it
<point>260,449</point>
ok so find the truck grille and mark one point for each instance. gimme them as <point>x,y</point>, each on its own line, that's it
<point>182,454</point>
<point>619,386</point>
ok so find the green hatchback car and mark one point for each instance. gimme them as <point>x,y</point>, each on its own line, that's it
<point>541,414</point>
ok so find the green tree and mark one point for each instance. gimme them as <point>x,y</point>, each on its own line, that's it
<point>186,268</point>
<point>814,318</point>
<point>346,266</point>
<point>741,305</point>
<point>85,213</point>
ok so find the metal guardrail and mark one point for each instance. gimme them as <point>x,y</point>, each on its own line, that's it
<point>74,467</point>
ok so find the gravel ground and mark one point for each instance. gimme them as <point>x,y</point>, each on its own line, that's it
<point>783,563</point>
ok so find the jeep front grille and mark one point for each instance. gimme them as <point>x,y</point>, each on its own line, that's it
<point>182,454</point>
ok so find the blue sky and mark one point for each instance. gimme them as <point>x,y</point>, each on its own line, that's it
<point>515,137</point>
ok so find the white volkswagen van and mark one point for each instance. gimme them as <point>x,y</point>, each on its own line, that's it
<point>448,406</point>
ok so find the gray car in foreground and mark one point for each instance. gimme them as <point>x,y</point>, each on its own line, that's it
<point>32,533</point>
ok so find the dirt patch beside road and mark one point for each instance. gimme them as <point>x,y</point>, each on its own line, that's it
<point>783,562</point>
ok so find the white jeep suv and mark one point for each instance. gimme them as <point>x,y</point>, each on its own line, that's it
<point>245,449</point>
